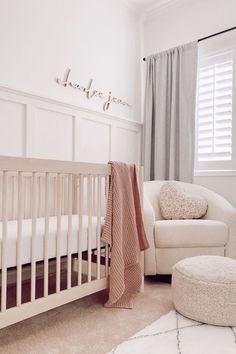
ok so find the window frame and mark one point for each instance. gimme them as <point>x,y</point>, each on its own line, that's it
<point>217,167</point>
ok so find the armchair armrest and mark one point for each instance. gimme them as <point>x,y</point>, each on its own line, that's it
<point>220,209</point>
<point>149,220</point>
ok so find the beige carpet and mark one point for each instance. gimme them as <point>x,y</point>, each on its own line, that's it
<point>85,326</point>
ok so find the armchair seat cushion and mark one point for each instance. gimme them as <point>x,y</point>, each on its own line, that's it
<point>190,233</point>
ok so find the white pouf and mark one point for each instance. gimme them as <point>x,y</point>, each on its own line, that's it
<point>204,289</point>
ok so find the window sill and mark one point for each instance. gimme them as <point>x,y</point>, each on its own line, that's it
<point>212,173</point>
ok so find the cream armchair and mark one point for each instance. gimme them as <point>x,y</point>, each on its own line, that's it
<point>172,240</point>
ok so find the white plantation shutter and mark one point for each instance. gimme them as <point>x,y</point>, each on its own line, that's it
<point>215,108</point>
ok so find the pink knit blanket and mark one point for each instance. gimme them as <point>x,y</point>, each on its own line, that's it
<point>124,232</point>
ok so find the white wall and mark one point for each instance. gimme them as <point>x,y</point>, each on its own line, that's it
<point>187,21</point>
<point>97,39</point>
<point>184,22</point>
<point>39,40</point>
<point>224,185</point>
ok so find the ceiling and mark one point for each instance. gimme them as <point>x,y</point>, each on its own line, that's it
<point>143,3</point>
<point>148,5</point>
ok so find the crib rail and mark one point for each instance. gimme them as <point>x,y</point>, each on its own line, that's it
<point>63,205</point>
<point>40,165</point>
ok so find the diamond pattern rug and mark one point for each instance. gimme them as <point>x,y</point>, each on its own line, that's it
<point>175,334</point>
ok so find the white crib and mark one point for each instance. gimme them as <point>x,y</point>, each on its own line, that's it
<point>51,215</point>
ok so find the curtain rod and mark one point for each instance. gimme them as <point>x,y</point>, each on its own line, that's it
<point>212,35</point>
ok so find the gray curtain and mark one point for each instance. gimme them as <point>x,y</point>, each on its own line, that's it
<point>169,128</point>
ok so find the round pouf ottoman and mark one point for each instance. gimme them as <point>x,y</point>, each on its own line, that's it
<point>204,289</point>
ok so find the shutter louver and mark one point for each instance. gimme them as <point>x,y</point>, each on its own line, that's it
<point>214,111</point>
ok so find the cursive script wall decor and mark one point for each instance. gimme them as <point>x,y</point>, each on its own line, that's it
<point>91,92</point>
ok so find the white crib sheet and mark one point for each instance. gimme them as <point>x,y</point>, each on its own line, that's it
<point>39,249</point>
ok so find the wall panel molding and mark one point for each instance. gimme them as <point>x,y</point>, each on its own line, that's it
<point>54,129</point>
<point>23,95</point>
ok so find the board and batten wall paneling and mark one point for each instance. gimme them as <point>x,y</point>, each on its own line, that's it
<point>12,128</point>
<point>39,127</point>
<point>53,135</point>
<point>126,144</point>
<point>92,140</point>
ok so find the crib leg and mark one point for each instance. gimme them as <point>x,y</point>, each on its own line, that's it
<point>141,290</point>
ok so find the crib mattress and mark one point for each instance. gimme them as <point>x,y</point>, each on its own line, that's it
<point>40,231</point>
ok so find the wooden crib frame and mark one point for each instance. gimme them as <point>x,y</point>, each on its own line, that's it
<point>13,171</point>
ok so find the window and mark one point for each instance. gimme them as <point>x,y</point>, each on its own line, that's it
<point>215,112</point>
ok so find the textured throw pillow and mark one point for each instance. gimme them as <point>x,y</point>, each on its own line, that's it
<point>175,203</point>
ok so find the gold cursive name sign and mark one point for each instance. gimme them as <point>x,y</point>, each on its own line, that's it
<point>90,92</point>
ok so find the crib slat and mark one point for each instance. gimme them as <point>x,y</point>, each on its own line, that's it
<point>58,258</point>
<point>94,192</point>
<point>15,193</point>
<point>90,214</point>
<point>99,183</point>
<point>19,238</point>
<point>107,180</point>
<point>69,234</point>
<point>41,196</point>
<point>14,190</point>
<point>55,195</point>
<point>46,233</point>
<point>34,216</point>
<point>4,240</point>
<point>62,194</point>
<point>80,233</point>
<point>140,185</point>
<point>26,199</point>
<point>66,206</point>
<point>106,260</point>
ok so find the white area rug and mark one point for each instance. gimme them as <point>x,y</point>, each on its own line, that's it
<point>175,334</point>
